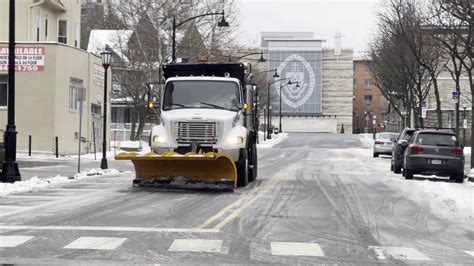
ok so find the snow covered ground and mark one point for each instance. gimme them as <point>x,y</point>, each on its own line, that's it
<point>268,143</point>
<point>35,183</point>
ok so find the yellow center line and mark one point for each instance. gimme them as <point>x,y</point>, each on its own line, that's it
<point>240,205</point>
<point>221,213</point>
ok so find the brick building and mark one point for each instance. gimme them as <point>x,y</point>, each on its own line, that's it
<point>369,104</point>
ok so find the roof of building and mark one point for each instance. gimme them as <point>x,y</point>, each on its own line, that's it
<point>116,40</point>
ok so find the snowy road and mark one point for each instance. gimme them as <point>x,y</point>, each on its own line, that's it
<point>319,198</point>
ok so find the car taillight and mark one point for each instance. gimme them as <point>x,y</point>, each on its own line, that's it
<point>415,148</point>
<point>457,150</point>
<point>379,142</point>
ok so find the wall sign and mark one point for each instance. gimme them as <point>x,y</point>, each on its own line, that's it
<point>27,59</point>
<point>99,73</point>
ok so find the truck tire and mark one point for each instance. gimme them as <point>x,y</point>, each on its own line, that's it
<point>253,162</point>
<point>243,168</point>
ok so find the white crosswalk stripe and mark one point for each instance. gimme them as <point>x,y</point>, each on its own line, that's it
<point>398,253</point>
<point>101,243</point>
<point>13,241</point>
<point>296,249</point>
<point>196,245</point>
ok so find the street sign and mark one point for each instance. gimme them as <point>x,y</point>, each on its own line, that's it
<point>455,96</point>
<point>424,104</point>
<point>423,113</point>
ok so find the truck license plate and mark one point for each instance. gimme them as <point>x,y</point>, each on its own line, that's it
<point>435,161</point>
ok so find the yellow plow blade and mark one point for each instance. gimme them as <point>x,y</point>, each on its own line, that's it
<point>208,168</point>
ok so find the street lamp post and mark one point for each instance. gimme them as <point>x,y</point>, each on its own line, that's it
<point>106,58</point>
<point>221,23</point>
<point>268,104</point>
<point>289,83</point>
<point>270,128</point>
<point>264,119</point>
<point>10,171</point>
<point>464,123</point>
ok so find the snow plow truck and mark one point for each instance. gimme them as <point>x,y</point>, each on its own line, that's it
<point>207,129</point>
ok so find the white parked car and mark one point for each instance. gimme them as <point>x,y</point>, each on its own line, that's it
<point>383,143</point>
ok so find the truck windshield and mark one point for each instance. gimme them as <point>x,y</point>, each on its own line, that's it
<point>201,94</point>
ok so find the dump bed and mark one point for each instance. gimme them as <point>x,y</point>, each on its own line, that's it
<point>218,70</point>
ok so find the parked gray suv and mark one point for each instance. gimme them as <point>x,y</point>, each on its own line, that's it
<point>434,152</point>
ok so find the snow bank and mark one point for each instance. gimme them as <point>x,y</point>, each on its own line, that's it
<point>366,140</point>
<point>35,183</point>
<point>276,138</point>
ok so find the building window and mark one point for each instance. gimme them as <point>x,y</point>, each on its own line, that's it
<point>3,90</point>
<point>354,82</point>
<point>96,109</point>
<point>368,83</point>
<point>78,34</point>
<point>38,24</point>
<point>62,31</point>
<point>368,98</point>
<point>46,27</point>
<point>75,89</point>
<point>367,67</point>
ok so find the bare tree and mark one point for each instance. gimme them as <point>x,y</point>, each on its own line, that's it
<point>398,54</point>
<point>453,26</point>
<point>149,47</point>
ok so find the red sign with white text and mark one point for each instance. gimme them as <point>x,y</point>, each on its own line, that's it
<point>27,59</point>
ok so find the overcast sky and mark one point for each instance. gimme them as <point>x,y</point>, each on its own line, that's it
<point>355,19</point>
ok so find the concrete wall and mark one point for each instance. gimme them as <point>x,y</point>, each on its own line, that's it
<point>337,87</point>
<point>42,100</point>
<point>307,124</point>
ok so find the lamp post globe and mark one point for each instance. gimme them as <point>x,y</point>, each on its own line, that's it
<point>106,59</point>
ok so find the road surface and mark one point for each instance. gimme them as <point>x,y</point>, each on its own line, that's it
<point>319,198</point>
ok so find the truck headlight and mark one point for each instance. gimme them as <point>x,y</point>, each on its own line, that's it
<point>159,140</point>
<point>236,140</point>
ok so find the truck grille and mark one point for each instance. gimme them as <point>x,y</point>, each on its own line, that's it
<point>200,132</point>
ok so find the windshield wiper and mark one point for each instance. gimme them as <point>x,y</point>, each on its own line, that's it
<point>215,105</point>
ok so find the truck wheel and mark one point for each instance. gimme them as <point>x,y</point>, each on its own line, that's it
<point>253,167</point>
<point>243,168</point>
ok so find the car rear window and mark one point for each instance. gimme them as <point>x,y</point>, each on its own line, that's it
<point>408,135</point>
<point>387,135</point>
<point>434,139</point>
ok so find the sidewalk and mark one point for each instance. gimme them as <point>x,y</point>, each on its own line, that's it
<point>45,166</point>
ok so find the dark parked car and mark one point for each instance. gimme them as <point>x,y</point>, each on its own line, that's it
<point>399,148</point>
<point>434,152</point>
